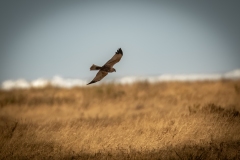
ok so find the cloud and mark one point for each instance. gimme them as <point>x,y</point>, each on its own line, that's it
<point>58,81</point>
<point>10,84</point>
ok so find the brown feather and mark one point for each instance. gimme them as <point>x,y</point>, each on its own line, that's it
<point>100,75</point>
<point>107,67</point>
<point>116,58</point>
<point>95,67</point>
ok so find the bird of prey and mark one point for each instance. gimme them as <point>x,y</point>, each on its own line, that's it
<point>107,67</point>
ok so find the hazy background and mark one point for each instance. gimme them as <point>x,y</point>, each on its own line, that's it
<point>43,38</point>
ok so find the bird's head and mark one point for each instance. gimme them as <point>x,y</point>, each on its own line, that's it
<point>113,70</point>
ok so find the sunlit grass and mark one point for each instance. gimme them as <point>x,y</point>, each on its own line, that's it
<point>170,120</point>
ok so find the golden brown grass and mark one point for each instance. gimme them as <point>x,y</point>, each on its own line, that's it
<point>169,120</point>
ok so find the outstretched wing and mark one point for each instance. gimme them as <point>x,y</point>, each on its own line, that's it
<point>116,58</point>
<point>98,77</point>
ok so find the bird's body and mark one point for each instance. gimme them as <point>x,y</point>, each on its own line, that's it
<point>103,68</point>
<point>107,67</point>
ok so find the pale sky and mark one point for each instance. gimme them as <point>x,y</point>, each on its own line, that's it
<point>41,39</point>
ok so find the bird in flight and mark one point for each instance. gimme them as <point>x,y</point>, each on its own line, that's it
<point>107,67</point>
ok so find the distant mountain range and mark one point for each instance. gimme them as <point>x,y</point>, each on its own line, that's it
<point>58,81</point>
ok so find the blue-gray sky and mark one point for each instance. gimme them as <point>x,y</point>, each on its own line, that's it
<point>47,38</point>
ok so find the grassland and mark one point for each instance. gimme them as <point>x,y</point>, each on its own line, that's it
<point>168,120</point>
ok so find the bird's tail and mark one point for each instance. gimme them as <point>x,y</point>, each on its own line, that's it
<point>95,67</point>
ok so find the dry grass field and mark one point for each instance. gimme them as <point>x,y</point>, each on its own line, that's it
<point>167,120</point>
